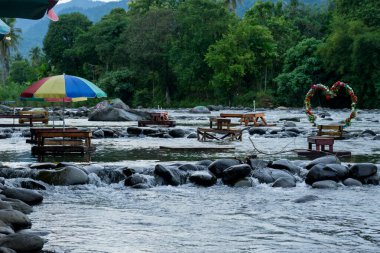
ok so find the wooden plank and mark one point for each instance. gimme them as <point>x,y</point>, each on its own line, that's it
<point>315,154</point>
<point>195,148</point>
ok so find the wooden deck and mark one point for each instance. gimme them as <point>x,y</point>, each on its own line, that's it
<point>35,130</point>
<point>311,154</point>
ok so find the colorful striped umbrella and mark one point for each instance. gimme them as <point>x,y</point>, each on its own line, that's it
<point>62,88</point>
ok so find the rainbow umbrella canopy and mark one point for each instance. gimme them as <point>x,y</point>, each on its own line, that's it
<point>28,9</point>
<point>62,88</point>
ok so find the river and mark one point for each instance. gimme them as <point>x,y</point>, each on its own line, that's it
<point>100,217</point>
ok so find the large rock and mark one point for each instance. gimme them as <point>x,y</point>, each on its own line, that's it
<point>324,160</point>
<point>245,182</point>
<point>112,114</point>
<point>269,175</point>
<point>134,130</point>
<point>259,131</point>
<point>202,178</point>
<point>5,229</point>
<point>352,182</point>
<point>135,179</point>
<point>22,242</point>
<point>321,172</point>
<point>342,171</point>
<point>31,184</point>
<point>177,133</point>
<point>16,219</point>
<point>30,197</point>
<point>363,170</point>
<point>118,103</point>
<point>170,176</point>
<point>199,109</point>
<point>284,182</point>
<point>306,198</point>
<point>191,167</point>
<point>6,250</point>
<point>284,164</point>
<point>218,166</point>
<point>235,173</point>
<point>325,184</point>
<point>19,205</point>
<point>69,175</point>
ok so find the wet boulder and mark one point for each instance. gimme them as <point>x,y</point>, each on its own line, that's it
<point>205,163</point>
<point>106,175</point>
<point>342,171</point>
<point>16,219</point>
<point>269,175</point>
<point>245,182</point>
<point>150,131</point>
<point>99,134</point>
<point>177,133</point>
<point>285,164</point>
<point>352,182</point>
<point>5,229</point>
<point>321,172</point>
<point>69,175</point>
<point>284,182</point>
<point>134,130</point>
<point>141,186</point>
<point>218,166</point>
<point>40,166</point>
<point>199,109</point>
<point>22,242</point>
<point>135,179</point>
<point>258,163</point>
<point>192,135</point>
<point>374,179</point>
<point>5,205</point>
<point>170,176</point>
<point>202,178</point>
<point>324,160</point>
<point>235,173</point>
<point>306,198</point>
<point>325,184</point>
<point>191,167</point>
<point>289,124</point>
<point>112,114</point>
<point>30,197</point>
<point>32,185</point>
<point>254,130</point>
<point>19,205</point>
<point>363,170</point>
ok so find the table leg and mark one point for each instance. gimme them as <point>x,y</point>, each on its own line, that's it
<point>318,147</point>
<point>310,146</point>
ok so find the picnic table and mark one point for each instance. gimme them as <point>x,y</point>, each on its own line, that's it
<point>157,118</point>
<point>257,118</point>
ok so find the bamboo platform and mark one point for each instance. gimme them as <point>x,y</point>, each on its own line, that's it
<point>315,153</point>
<point>196,148</point>
<point>203,134</point>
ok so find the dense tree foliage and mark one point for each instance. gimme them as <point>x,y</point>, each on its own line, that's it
<point>183,53</point>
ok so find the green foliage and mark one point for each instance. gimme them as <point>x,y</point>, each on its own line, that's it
<point>22,72</point>
<point>239,58</point>
<point>11,91</point>
<point>60,39</point>
<point>118,84</point>
<point>301,69</point>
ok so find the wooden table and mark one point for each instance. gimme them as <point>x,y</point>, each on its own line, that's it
<point>37,116</point>
<point>320,143</point>
<point>157,118</point>
<point>247,118</point>
<point>221,123</point>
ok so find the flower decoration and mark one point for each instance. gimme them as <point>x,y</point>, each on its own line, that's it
<point>330,93</point>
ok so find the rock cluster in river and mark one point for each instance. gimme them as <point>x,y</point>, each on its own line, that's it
<point>15,234</point>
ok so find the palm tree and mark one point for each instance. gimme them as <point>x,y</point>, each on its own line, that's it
<point>35,55</point>
<point>7,45</point>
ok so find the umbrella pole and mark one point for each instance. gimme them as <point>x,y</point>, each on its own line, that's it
<point>63,113</point>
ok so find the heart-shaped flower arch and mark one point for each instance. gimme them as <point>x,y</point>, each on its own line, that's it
<point>329,93</point>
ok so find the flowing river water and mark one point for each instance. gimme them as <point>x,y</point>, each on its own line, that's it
<point>101,217</point>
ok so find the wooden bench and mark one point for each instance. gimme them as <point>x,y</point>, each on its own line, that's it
<point>158,118</point>
<point>335,130</point>
<point>320,143</point>
<point>35,116</point>
<point>72,141</point>
<point>16,116</point>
